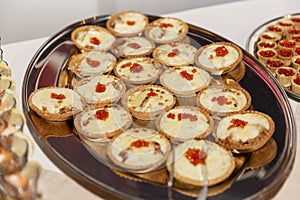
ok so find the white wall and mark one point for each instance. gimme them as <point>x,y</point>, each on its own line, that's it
<point>27,19</point>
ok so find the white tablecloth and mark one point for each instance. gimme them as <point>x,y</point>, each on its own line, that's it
<point>234,21</point>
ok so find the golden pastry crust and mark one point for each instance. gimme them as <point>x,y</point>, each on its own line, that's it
<point>185,81</point>
<point>184,123</point>
<point>141,70</point>
<point>127,23</point>
<point>194,157</point>
<point>245,131</point>
<point>175,54</point>
<point>223,100</point>
<point>218,57</point>
<point>127,47</point>
<point>89,37</point>
<point>100,89</point>
<point>139,150</point>
<point>266,54</point>
<point>90,63</point>
<point>166,30</point>
<point>146,102</point>
<point>55,103</point>
<point>101,123</point>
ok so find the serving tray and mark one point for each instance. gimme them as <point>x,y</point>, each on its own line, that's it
<point>76,159</point>
<point>254,38</point>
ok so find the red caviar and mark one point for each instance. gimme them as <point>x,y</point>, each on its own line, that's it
<point>134,45</point>
<point>297,80</point>
<point>102,114</point>
<point>287,43</point>
<point>100,87</point>
<point>187,116</point>
<point>57,96</point>
<point>267,53</point>
<point>286,72</point>
<point>285,52</point>
<point>136,68</point>
<point>237,123</point>
<point>275,63</point>
<point>266,44</point>
<point>95,41</point>
<point>186,75</point>
<point>140,143</point>
<point>171,116</point>
<point>92,63</point>
<point>151,94</point>
<point>130,22</point>
<point>221,100</point>
<point>195,156</point>
<point>165,25</point>
<point>173,53</point>
<point>221,51</point>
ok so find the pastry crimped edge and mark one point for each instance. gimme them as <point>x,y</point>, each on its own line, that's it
<point>212,182</point>
<point>49,116</point>
<point>76,59</point>
<point>180,37</point>
<point>116,15</point>
<point>147,115</point>
<point>224,87</point>
<point>221,70</point>
<point>84,28</point>
<point>252,144</point>
<point>149,80</point>
<point>91,136</point>
<point>101,103</point>
<point>210,121</point>
<point>140,169</point>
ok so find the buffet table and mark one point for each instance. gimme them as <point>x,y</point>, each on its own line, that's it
<point>234,21</point>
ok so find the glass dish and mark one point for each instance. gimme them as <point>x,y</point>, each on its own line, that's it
<point>75,157</point>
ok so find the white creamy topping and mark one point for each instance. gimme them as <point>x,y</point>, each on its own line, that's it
<point>141,101</point>
<point>255,123</point>
<point>149,69</point>
<point>169,32</point>
<point>130,22</point>
<point>104,63</point>
<point>177,54</point>
<point>184,128</point>
<point>118,117</point>
<point>139,156</point>
<point>218,161</point>
<point>106,39</point>
<point>236,100</point>
<point>174,79</point>
<point>43,101</point>
<point>210,60</point>
<point>134,46</point>
<point>87,88</point>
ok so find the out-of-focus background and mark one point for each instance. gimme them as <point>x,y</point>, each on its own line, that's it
<point>22,20</point>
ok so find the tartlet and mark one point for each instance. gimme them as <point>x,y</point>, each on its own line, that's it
<point>137,70</point>
<point>100,89</point>
<point>268,35</point>
<point>285,75</point>
<point>184,123</point>
<point>286,44</point>
<point>196,159</point>
<point>102,123</point>
<point>285,55</point>
<point>175,54</point>
<point>266,54</point>
<point>139,150</point>
<point>223,100</point>
<point>90,63</point>
<point>296,84</point>
<point>276,29</point>
<point>127,23</point>
<point>146,102</point>
<point>296,62</point>
<point>244,132</point>
<point>166,30</point>
<point>218,57</point>
<point>89,37</point>
<point>132,47</point>
<point>55,103</point>
<point>185,81</point>
<point>266,44</point>
<point>274,64</point>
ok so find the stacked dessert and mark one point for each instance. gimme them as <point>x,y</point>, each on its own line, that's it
<point>18,174</point>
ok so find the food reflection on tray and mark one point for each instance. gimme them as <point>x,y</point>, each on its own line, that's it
<point>150,102</point>
<point>276,44</point>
